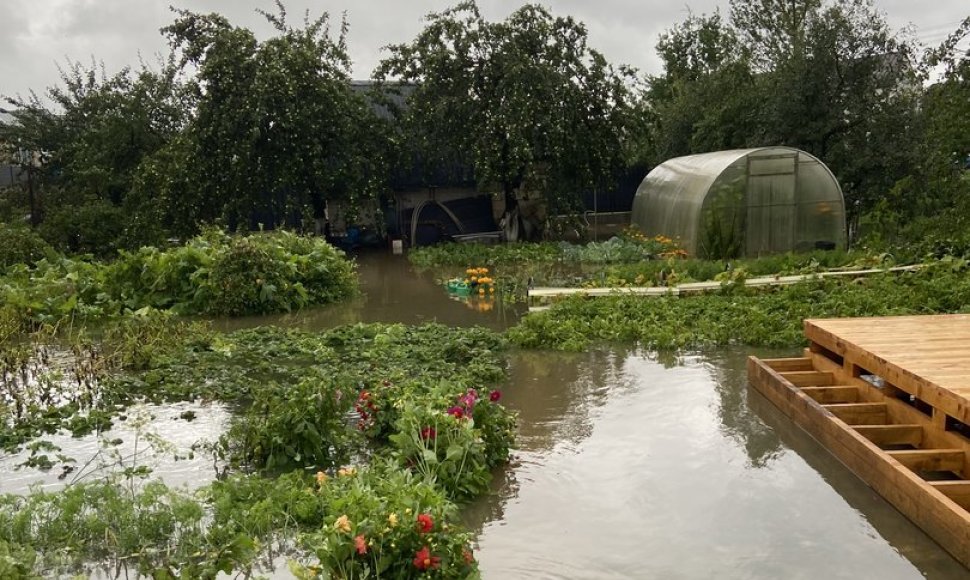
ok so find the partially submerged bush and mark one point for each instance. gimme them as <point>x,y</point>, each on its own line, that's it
<point>211,274</point>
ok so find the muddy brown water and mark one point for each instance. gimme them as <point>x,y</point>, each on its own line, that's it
<point>631,464</point>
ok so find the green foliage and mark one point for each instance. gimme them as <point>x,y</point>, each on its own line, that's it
<point>829,77</point>
<point>380,521</point>
<point>278,129</point>
<point>155,531</point>
<point>93,228</point>
<point>297,388</point>
<point>21,245</point>
<point>17,562</point>
<point>629,247</point>
<point>211,274</point>
<point>525,101</point>
<point>286,426</point>
<point>743,316</point>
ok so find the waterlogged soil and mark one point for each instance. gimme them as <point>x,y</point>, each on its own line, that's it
<point>628,464</point>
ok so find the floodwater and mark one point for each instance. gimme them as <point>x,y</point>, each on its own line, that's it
<point>631,464</point>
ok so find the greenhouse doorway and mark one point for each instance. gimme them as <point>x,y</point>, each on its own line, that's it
<point>771,203</point>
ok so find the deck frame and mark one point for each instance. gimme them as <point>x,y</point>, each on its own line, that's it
<point>861,433</point>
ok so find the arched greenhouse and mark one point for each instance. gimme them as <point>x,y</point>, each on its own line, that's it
<point>743,202</point>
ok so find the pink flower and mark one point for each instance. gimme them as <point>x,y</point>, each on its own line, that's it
<point>428,433</point>
<point>360,544</point>
<point>456,412</point>
<point>494,396</point>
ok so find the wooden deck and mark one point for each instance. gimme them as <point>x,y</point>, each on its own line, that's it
<point>890,397</point>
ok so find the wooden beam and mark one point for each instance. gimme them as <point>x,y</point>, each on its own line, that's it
<point>809,378</point>
<point>784,365</point>
<point>883,435</point>
<point>931,459</point>
<point>958,491</point>
<point>859,413</point>
<point>939,517</point>
<point>837,394</point>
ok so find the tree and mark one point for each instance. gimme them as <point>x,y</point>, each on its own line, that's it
<point>278,130</point>
<point>826,76</point>
<point>525,102</point>
<point>89,144</point>
<point>706,98</point>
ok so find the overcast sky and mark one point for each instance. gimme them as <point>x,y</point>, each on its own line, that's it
<point>37,35</point>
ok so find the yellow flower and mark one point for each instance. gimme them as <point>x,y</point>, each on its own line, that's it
<point>347,471</point>
<point>342,524</point>
<point>392,520</point>
<point>321,478</point>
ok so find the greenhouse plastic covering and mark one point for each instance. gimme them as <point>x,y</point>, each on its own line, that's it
<point>745,202</point>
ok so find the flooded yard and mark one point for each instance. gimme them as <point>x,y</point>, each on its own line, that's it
<point>628,464</point>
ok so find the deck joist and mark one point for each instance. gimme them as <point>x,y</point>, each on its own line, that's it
<point>890,398</point>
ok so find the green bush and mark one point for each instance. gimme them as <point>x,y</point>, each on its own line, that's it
<point>286,426</point>
<point>213,274</point>
<point>93,228</point>
<point>21,245</point>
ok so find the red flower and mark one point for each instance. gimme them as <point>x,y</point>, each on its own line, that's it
<point>360,544</point>
<point>494,396</point>
<point>468,556</point>
<point>456,412</point>
<point>423,560</point>
<point>425,523</point>
<point>428,433</point>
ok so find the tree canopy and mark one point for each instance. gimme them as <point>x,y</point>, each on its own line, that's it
<point>525,101</point>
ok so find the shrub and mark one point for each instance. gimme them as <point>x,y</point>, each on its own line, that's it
<point>288,426</point>
<point>92,228</point>
<point>21,245</point>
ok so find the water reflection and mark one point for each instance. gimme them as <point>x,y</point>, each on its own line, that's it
<point>392,291</point>
<point>635,466</point>
<point>738,421</point>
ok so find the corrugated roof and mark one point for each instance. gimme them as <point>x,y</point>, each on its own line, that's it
<point>6,118</point>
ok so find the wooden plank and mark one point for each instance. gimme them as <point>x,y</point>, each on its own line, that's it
<point>835,394</point>
<point>958,491</point>
<point>893,348</point>
<point>930,459</point>
<point>883,435</point>
<point>809,378</point>
<point>790,364</point>
<point>859,413</point>
<point>696,287</point>
<point>940,517</point>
